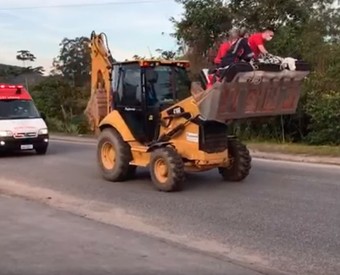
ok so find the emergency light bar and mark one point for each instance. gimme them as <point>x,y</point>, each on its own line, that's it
<point>13,92</point>
<point>2,86</point>
<point>157,63</point>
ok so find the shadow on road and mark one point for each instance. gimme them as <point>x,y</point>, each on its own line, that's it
<point>53,149</point>
<point>194,181</point>
<point>18,154</point>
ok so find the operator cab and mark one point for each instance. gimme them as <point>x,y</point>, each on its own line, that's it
<point>142,89</point>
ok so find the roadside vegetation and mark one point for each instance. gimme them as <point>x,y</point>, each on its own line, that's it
<point>295,148</point>
<point>306,29</point>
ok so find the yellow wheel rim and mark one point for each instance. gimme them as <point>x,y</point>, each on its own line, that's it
<point>108,156</point>
<point>161,170</point>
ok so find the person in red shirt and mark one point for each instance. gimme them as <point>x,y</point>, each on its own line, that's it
<point>225,46</point>
<point>223,49</point>
<point>239,51</point>
<point>257,40</point>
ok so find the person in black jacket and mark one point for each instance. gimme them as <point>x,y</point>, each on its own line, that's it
<point>239,50</point>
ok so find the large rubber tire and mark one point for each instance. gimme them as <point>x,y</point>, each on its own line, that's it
<point>167,169</point>
<point>240,162</point>
<point>113,156</point>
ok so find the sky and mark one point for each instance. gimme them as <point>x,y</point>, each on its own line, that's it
<point>132,26</point>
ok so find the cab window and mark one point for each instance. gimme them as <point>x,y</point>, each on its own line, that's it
<point>129,86</point>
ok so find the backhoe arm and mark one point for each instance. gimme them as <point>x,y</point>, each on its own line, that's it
<point>99,104</point>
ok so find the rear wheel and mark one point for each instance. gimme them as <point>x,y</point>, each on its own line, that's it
<point>240,162</point>
<point>114,155</point>
<point>167,169</point>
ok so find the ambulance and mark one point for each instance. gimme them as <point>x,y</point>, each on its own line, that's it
<point>22,127</point>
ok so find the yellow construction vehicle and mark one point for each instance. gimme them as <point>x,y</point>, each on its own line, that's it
<point>147,113</point>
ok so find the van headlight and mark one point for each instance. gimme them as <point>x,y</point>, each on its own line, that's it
<point>6,134</point>
<point>43,131</point>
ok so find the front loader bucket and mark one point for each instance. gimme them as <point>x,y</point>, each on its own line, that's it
<point>245,93</point>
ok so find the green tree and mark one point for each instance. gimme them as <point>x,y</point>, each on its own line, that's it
<point>137,57</point>
<point>62,103</point>
<point>202,23</point>
<point>167,55</point>
<point>307,29</point>
<point>24,56</point>
<point>73,61</point>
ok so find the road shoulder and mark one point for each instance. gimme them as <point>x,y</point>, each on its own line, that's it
<point>254,153</point>
<point>37,239</point>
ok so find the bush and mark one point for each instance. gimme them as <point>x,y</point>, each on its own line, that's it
<point>324,111</point>
<point>82,124</point>
<point>78,125</point>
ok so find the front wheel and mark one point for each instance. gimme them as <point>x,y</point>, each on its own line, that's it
<point>240,162</point>
<point>114,156</point>
<point>167,169</point>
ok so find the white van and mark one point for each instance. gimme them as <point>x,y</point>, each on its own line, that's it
<point>22,127</point>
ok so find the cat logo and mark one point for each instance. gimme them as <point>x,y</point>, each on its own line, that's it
<point>177,110</point>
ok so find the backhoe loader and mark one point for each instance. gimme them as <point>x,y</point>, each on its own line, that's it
<point>147,113</point>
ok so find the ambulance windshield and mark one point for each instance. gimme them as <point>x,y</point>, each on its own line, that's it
<point>18,109</point>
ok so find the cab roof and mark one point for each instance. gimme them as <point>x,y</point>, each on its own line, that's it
<point>10,91</point>
<point>154,62</point>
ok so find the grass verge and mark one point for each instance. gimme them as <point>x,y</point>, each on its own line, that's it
<point>295,149</point>
<point>53,133</point>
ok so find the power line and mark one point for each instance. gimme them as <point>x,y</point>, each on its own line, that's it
<point>86,5</point>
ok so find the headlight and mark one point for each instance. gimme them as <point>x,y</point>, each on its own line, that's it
<point>43,131</point>
<point>6,134</point>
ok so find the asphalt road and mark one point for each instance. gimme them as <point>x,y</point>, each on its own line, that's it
<point>41,240</point>
<point>285,216</point>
